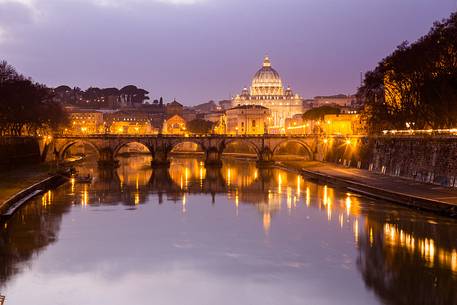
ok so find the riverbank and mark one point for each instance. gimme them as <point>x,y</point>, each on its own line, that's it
<point>16,185</point>
<point>418,195</point>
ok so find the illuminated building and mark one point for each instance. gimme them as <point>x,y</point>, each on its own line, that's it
<point>175,124</point>
<point>344,124</point>
<point>85,121</point>
<point>267,90</point>
<point>221,126</point>
<point>247,119</point>
<point>296,125</point>
<point>129,122</point>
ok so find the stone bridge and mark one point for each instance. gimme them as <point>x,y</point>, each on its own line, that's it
<point>107,146</point>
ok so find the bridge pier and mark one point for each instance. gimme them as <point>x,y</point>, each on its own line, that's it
<point>106,158</point>
<point>160,158</point>
<point>265,158</point>
<point>213,157</point>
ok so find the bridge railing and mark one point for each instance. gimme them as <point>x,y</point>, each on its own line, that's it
<point>108,135</point>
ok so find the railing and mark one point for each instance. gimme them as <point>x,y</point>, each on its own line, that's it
<point>109,135</point>
<point>207,136</point>
<point>421,132</point>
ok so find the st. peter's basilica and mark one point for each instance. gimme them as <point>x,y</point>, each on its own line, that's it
<point>267,90</point>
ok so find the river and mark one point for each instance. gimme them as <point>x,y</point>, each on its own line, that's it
<point>236,235</point>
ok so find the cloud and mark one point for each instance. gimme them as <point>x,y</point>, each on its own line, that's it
<point>2,34</point>
<point>118,3</point>
<point>14,13</point>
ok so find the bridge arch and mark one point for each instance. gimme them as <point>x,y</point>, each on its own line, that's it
<point>250,144</point>
<point>297,141</point>
<point>63,149</point>
<point>176,144</point>
<point>123,144</point>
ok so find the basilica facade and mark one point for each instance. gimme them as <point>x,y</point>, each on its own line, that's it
<point>267,90</point>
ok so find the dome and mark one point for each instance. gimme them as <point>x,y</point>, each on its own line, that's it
<point>266,81</point>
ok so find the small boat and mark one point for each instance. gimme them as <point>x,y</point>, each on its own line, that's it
<point>83,179</point>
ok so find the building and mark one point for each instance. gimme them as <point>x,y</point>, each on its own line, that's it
<point>297,126</point>
<point>174,108</point>
<point>175,125</point>
<point>339,100</point>
<point>129,122</point>
<point>342,124</point>
<point>213,117</point>
<point>225,104</point>
<point>189,114</point>
<point>248,119</point>
<point>85,121</point>
<point>267,90</point>
<point>207,107</point>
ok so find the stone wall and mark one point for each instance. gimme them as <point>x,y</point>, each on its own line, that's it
<point>430,159</point>
<point>17,151</point>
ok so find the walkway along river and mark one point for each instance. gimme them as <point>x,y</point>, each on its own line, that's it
<point>238,235</point>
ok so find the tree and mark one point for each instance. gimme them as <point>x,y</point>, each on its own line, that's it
<point>26,106</point>
<point>200,126</point>
<point>416,84</point>
<point>7,72</point>
<point>319,112</point>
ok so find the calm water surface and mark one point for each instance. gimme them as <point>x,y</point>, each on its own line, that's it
<point>238,235</point>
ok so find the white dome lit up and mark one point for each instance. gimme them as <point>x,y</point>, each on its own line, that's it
<point>267,91</point>
<point>266,81</point>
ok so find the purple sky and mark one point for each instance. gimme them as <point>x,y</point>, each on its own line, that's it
<point>197,50</point>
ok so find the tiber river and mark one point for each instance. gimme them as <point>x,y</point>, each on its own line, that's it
<point>232,236</point>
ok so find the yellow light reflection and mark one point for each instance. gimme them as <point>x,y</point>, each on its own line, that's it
<point>289,198</point>
<point>329,210</point>
<point>72,185</point>
<point>237,198</point>
<point>308,196</point>
<point>46,199</point>
<point>186,177</point>
<point>425,247</point>
<point>325,195</point>
<point>266,222</point>
<point>371,237</point>
<point>348,204</point>
<point>184,210</point>
<point>298,186</point>
<point>229,178</point>
<point>356,230</point>
<point>279,184</point>
<point>84,196</point>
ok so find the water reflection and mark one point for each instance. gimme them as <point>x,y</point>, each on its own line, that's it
<point>29,232</point>
<point>409,262</point>
<point>268,218</point>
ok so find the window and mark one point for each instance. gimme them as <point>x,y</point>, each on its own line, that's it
<point>253,123</point>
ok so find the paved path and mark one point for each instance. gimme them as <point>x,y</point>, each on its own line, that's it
<point>391,184</point>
